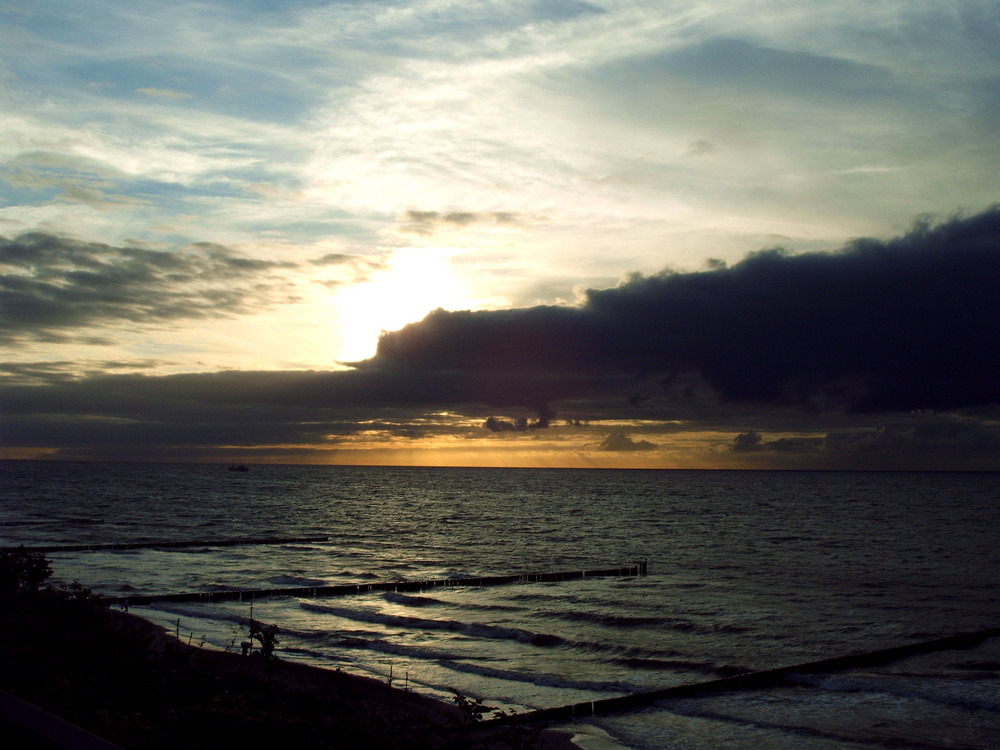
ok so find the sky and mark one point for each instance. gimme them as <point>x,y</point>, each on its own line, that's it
<point>730,234</point>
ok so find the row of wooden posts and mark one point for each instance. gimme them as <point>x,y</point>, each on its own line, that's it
<point>758,679</point>
<point>750,680</point>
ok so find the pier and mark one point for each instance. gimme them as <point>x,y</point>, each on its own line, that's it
<point>351,589</point>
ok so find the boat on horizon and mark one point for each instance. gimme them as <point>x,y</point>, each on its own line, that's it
<point>239,467</point>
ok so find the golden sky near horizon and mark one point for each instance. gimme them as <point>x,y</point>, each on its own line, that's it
<point>267,187</point>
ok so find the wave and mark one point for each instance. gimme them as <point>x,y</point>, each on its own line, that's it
<point>693,708</point>
<point>411,601</point>
<point>54,521</point>
<point>322,644</point>
<point>353,575</point>
<point>630,656</point>
<point>679,665</point>
<point>900,686</point>
<point>472,629</point>
<point>626,622</point>
<point>542,679</point>
<point>199,611</point>
<point>484,607</point>
<point>979,666</point>
<point>348,643</point>
<point>458,575</point>
<point>650,658</point>
<point>332,637</point>
<point>534,597</point>
<point>698,628</point>
<point>606,620</point>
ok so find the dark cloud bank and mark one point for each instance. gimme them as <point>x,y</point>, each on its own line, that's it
<point>908,324</point>
<point>874,328</point>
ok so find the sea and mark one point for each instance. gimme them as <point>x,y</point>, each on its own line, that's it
<point>746,570</point>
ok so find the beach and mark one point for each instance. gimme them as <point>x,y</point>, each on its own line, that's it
<point>135,684</point>
<point>747,571</point>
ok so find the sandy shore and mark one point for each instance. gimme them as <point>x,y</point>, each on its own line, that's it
<point>67,659</point>
<point>370,695</point>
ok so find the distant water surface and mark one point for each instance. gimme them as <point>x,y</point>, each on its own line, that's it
<point>748,570</point>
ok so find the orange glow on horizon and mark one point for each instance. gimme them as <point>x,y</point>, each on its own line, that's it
<point>704,450</point>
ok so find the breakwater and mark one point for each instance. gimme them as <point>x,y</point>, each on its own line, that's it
<point>751,680</point>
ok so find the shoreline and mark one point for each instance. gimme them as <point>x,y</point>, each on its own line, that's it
<point>297,677</point>
<point>67,659</point>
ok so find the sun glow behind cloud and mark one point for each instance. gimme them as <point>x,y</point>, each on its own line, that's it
<point>414,282</point>
<point>196,211</point>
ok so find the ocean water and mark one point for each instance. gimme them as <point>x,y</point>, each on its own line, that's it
<point>747,571</point>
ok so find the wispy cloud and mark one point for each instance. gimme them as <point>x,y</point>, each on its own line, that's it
<point>518,108</point>
<point>53,284</point>
<point>428,223</point>
<point>164,93</point>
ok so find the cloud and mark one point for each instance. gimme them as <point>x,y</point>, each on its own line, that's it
<point>878,326</point>
<point>349,269</point>
<point>737,64</point>
<point>619,441</point>
<point>884,327</point>
<point>164,93</point>
<point>935,435</point>
<point>914,441</point>
<point>42,373</point>
<point>521,424</point>
<point>334,259</point>
<point>746,442</point>
<point>752,442</point>
<point>426,223</point>
<point>58,178</point>
<point>908,323</point>
<point>700,148</point>
<point>52,285</point>
<point>142,416</point>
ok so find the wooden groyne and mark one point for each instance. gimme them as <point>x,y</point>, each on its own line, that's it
<point>750,680</point>
<point>351,589</point>
<point>172,544</point>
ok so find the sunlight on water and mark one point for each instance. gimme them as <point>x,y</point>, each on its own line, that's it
<point>748,571</point>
